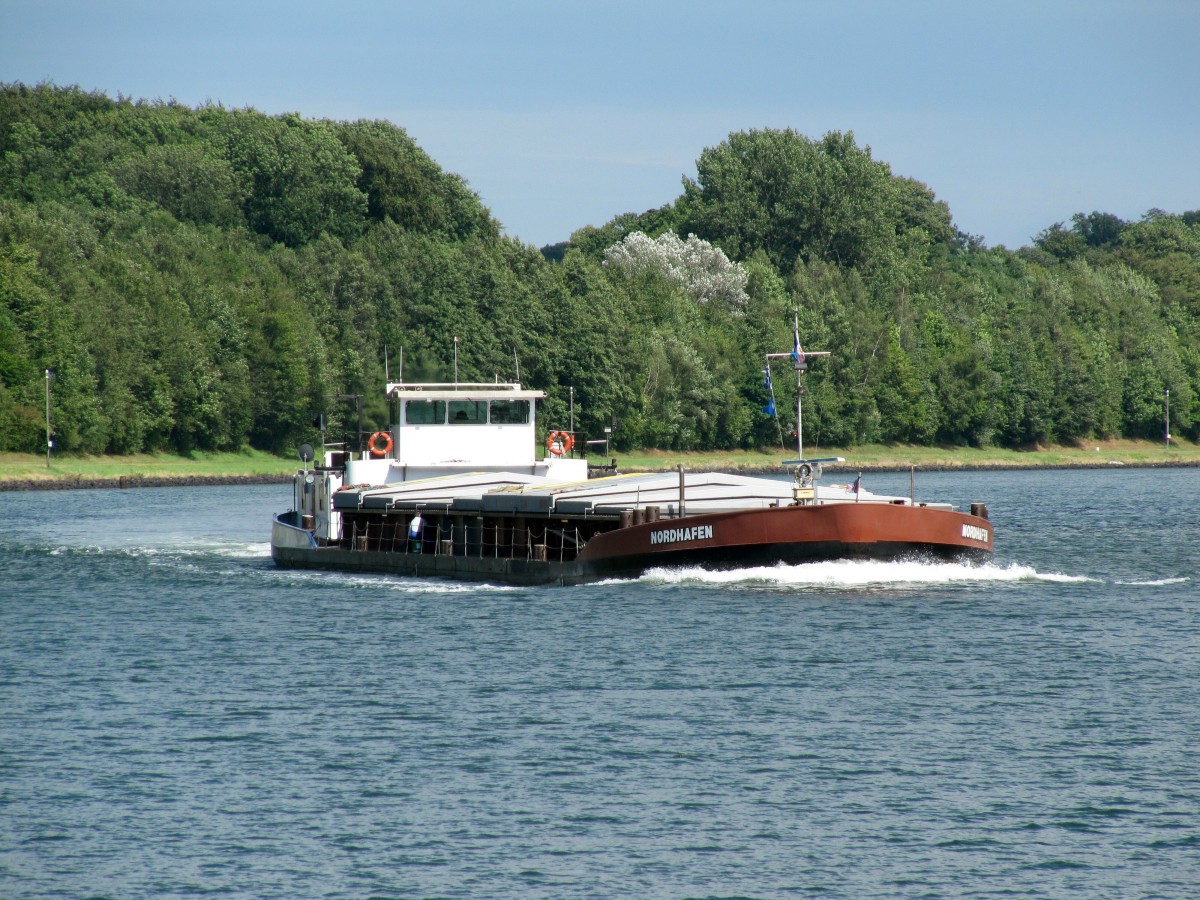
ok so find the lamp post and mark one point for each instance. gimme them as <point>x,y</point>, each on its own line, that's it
<point>49,442</point>
<point>1166,418</point>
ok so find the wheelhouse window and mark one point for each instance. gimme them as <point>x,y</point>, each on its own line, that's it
<point>510,412</point>
<point>425,412</point>
<point>468,412</point>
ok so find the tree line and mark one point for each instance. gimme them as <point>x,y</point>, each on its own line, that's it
<point>212,279</point>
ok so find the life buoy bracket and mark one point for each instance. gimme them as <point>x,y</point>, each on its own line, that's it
<point>377,449</point>
<point>559,443</point>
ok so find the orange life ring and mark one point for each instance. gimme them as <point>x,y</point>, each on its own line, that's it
<point>376,450</point>
<point>559,442</point>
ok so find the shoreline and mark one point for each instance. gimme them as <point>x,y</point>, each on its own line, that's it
<point>128,482</point>
<point>137,481</point>
<point>868,468</point>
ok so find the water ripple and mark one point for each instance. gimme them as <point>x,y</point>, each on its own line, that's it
<point>181,718</point>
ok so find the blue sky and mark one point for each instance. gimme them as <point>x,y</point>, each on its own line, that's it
<point>1017,113</point>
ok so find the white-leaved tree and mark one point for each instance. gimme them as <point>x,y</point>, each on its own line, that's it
<point>703,270</point>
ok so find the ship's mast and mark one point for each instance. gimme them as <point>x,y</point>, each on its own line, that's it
<point>800,361</point>
<point>801,368</point>
<point>806,470</point>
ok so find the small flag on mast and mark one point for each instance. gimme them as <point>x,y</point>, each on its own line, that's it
<point>797,353</point>
<point>769,409</point>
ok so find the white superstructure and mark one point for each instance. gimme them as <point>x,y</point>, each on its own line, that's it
<point>440,429</point>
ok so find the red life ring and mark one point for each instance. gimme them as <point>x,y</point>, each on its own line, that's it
<point>373,444</point>
<point>559,442</point>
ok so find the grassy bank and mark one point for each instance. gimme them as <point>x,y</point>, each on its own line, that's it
<point>25,467</point>
<point>1097,453</point>
<point>21,467</point>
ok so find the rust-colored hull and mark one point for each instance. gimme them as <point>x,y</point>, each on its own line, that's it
<point>792,534</point>
<point>735,539</point>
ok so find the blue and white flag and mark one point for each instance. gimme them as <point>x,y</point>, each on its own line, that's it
<point>769,409</point>
<point>797,353</point>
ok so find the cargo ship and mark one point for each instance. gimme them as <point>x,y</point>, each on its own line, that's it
<point>463,486</point>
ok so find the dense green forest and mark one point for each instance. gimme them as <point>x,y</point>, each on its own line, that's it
<point>213,279</point>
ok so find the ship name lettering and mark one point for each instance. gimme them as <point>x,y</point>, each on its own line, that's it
<point>975,533</point>
<point>675,535</point>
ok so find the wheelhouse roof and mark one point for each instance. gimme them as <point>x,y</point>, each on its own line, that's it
<point>460,391</point>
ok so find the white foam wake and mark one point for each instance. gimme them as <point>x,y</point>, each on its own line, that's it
<point>384,583</point>
<point>1155,582</point>
<point>171,550</point>
<point>226,549</point>
<point>858,573</point>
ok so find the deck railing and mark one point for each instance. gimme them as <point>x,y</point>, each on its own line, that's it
<point>463,536</point>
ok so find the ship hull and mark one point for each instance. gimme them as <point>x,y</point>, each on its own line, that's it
<point>722,540</point>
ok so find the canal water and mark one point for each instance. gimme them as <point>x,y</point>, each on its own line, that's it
<point>179,718</point>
